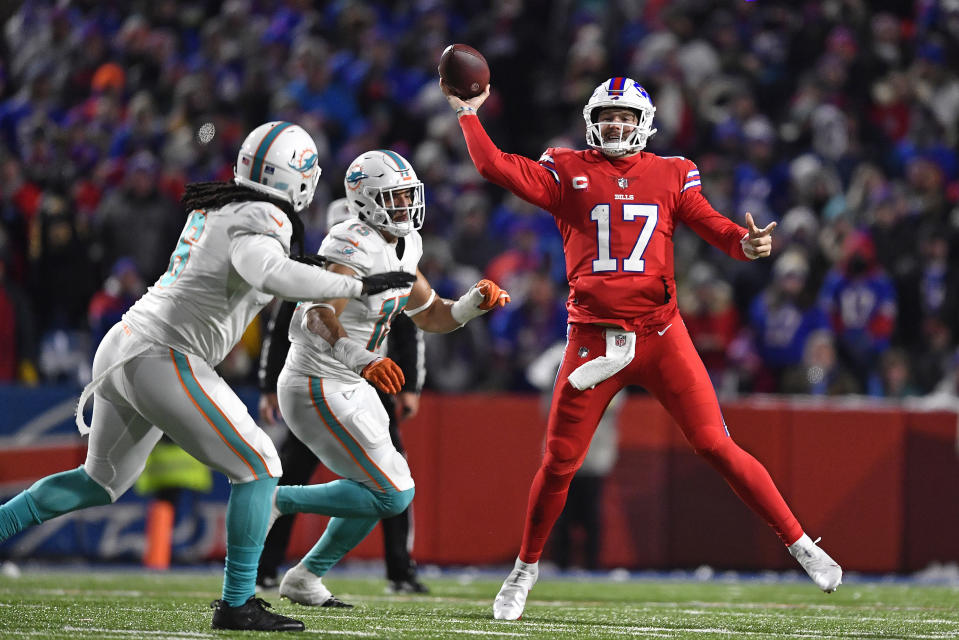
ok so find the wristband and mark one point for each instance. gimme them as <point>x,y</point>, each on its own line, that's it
<point>466,109</point>
<point>467,307</point>
<point>353,355</point>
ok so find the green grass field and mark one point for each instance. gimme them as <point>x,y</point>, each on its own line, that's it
<point>88,604</point>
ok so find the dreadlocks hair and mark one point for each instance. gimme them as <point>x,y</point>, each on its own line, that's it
<point>213,195</point>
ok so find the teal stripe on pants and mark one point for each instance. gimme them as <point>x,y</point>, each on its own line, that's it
<point>216,417</point>
<point>347,440</point>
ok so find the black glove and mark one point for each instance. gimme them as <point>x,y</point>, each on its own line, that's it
<point>380,282</point>
<point>314,260</point>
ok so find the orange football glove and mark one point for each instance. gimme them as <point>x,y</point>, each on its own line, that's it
<point>493,296</point>
<point>385,375</point>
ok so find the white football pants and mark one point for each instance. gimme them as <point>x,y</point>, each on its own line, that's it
<point>161,390</point>
<point>346,427</point>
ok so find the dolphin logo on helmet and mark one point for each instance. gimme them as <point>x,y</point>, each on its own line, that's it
<point>308,160</point>
<point>354,177</point>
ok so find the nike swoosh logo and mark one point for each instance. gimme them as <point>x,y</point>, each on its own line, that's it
<point>275,220</point>
<point>666,329</point>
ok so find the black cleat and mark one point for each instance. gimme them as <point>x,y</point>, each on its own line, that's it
<point>410,585</point>
<point>335,602</point>
<point>251,616</point>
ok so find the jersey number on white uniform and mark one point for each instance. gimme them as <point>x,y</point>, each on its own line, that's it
<point>388,310</point>
<point>181,255</point>
<point>634,263</point>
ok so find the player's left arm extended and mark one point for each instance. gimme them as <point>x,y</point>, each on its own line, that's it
<point>439,315</point>
<point>721,232</point>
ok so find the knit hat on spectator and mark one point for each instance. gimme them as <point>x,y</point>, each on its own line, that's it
<point>109,76</point>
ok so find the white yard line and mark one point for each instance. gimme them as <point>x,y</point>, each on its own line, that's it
<point>631,630</point>
<point>703,612</point>
<point>634,630</point>
<point>457,631</point>
<point>141,632</point>
<point>189,634</point>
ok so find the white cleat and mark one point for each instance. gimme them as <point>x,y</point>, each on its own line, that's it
<point>511,599</point>
<point>824,571</point>
<point>304,587</point>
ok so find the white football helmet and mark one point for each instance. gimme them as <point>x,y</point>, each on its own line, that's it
<point>373,183</point>
<point>624,93</point>
<point>279,159</point>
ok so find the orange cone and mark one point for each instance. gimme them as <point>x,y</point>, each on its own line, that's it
<point>159,534</point>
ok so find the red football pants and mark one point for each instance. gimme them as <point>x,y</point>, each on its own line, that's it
<point>669,367</point>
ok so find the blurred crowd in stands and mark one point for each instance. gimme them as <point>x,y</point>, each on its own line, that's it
<point>837,118</point>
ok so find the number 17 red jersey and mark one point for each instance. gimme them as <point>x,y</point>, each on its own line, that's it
<point>617,217</point>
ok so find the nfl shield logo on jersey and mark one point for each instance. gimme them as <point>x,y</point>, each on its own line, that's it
<point>622,182</point>
<point>620,338</point>
<point>583,352</point>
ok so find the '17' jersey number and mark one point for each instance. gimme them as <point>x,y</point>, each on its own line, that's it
<point>648,213</point>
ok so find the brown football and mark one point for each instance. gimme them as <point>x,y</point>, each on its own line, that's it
<point>464,70</point>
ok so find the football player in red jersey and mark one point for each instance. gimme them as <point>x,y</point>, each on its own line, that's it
<point>616,207</point>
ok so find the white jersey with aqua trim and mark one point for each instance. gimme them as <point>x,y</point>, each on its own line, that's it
<point>201,305</point>
<point>366,319</point>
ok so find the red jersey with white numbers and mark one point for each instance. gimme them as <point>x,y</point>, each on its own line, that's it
<point>617,217</point>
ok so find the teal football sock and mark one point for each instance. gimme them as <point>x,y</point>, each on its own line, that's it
<point>247,514</point>
<point>341,535</point>
<point>50,497</point>
<point>344,533</point>
<point>17,514</point>
<point>343,499</point>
